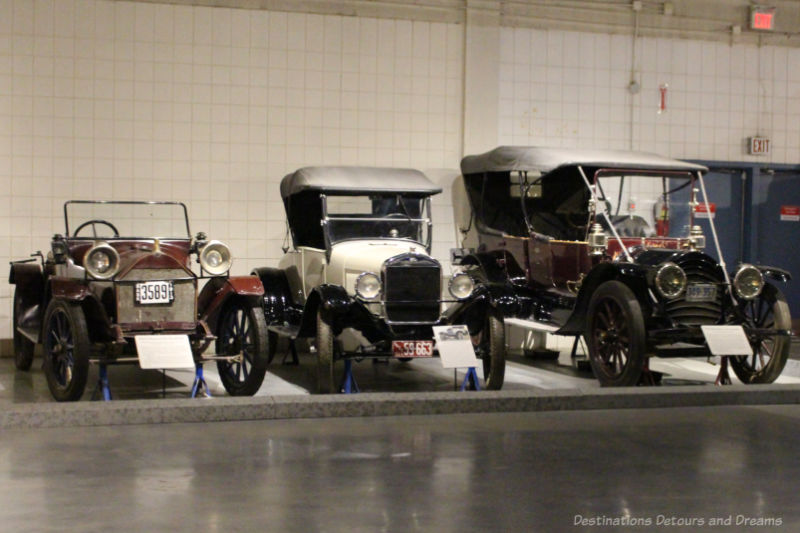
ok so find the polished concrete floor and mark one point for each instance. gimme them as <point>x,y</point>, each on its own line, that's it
<point>483,473</point>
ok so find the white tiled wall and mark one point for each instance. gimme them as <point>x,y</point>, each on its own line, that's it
<point>570,89</point>
<point>104,99</point>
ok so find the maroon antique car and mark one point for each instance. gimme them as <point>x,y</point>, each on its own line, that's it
<point>610,245</point>
<point>122,270</point>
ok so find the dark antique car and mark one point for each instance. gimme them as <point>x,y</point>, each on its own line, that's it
<point>606,244</point>
<point>107,280</point>
<point>360,280</point>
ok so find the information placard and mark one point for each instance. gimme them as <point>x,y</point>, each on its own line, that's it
<point>455,346</point>
<point>727,340</point>
<point>164,351</point>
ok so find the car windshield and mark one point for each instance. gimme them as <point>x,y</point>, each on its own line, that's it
<point>126,220</point>
<point>648,205</point>
<point>376,217</point>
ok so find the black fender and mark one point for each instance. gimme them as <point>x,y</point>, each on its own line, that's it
<point>277,294</point>
<point>332,300</point>
<point>29,295</point>
<point>496,298</point>
<point>778,274</point>
<point>633,275</point>
<point>495,266</point>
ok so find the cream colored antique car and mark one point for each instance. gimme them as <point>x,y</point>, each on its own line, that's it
<point>359,279</point>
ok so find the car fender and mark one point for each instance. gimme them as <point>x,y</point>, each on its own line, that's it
<point>494,265</point>
<point>488,297</point>
<point>29,280</point>
<point>219,291</point>
<point>277,294</point>
<point>778,274</point>
<point>69,289</point>
<point>334,303</point>
<point>631,274</point>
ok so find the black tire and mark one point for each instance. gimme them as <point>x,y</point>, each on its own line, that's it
<point>615,335</point>
<point>490,347</point>
<point>325,344</point>
<point>242,330</point>
<point>23,346</point>
<point>769,356</point>
<point>66,350</point>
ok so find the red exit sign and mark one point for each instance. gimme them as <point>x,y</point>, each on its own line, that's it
<point>762,18</point>
<point>759,145</point>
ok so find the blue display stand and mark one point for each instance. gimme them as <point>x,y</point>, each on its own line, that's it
<point>349,385</point>
<point>200,383</point>
<point>102,385</point>
<point>473,376</point>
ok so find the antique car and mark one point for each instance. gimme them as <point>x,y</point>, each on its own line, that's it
<point>359,280</point>
<point>122,270</point>
<point>609,245</point>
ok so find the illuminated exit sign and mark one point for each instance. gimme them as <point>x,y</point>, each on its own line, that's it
<point>759,145</point>
<point>762,18</point>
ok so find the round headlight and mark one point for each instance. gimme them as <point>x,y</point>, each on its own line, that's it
<point>670,280</point>
<point>101,261</point>
<point>215,258</point>
<point>748,282</point>
<point>461,285</point>
<point>368,286</point>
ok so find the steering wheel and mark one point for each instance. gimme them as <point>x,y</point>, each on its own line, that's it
<point>92,223</point>
<point>401,228</point>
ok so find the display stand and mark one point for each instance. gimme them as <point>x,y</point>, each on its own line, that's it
<point>200,383</point>
<point>349,385</point>
<point>471,380</point>
<point>102,385</point>
<point>724,377</point>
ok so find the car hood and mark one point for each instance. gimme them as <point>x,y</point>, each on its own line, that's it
<point>350,258</point>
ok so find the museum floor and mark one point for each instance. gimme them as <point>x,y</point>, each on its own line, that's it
<point>560,470</point>
<point>498,472</point>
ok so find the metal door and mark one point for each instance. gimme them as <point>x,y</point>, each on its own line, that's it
<point>776,237</point>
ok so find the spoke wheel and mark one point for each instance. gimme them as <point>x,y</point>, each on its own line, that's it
<point>242,332</point>
<point>325,344</point>
<point>768,311</point>
<point>66,350</point>
<point>615,335</point>
<point>23,346</point>
<point>490,348</point>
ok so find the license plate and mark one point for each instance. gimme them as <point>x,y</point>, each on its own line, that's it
<point>412,348</point>
<point>154,292</point>
<point>701,292</point>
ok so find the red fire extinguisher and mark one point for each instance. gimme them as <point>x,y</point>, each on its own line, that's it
<point>662,217</point>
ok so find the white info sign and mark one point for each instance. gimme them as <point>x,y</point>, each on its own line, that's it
<point>164,351</point>
<point>727,340</point>
<point>455,346</point>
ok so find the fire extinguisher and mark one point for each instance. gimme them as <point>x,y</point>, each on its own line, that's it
<point>661,209</point>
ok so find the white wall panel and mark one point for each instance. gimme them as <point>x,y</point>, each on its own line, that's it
<point>570,89</point>
<point>210,106</point>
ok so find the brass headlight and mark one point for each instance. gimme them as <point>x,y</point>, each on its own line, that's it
<point>748,282</point>
<point>461,285</point>
<point>215,258</point>
<point>670,280</point>
<point>368,286</point>
<point>101,261</point>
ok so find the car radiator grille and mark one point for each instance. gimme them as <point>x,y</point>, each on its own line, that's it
<point>698,270</point>
<point>182,308</point>
<point>412,290</point>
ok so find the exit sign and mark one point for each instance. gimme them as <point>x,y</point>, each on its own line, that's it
<point>759,145</point>
<point>762,18</point>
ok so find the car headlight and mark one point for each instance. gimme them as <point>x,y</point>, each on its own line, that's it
<point>368,286</point>
<point>670,280</point>
<point>101,261</point>
<point>215,258</point>
<point>748,282</point>
<point>461,285</point>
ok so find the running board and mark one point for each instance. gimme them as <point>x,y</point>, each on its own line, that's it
<point>29,333</point>
<point>531,325</point>
<point>285,331</point>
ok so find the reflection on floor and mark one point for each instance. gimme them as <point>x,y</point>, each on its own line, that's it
<point>509,472</point>
<point>422,375</point>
